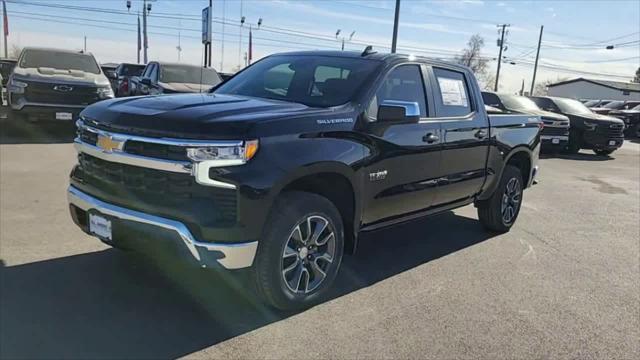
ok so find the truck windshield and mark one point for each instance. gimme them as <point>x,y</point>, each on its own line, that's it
<point>518,102</point>
<point>317,81</point>
<point>61,60</point>
<point>572,106</point>
<point>615,105</point>
<point>188,74</point>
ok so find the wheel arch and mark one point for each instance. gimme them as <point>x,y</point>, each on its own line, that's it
<point>338,183</point>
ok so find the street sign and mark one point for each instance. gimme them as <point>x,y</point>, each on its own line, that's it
<point>206,25</point>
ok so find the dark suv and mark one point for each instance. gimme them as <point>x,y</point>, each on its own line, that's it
<point>601,133</point>
<point>50,84</point>
<point>167,78</point>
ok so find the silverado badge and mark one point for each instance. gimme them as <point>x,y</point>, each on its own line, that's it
<point>108,144</point>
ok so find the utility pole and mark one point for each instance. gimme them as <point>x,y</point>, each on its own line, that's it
<point>240,38</point>
<point>210,19</point>
<point>535,66</point>
<point>501,44</point>
<point>394,41</point>
<point>85,44</point>
<point>5,31</point>
<point>224,5</point>
<point>145,41</point>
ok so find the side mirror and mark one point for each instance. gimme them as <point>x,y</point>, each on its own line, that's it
<point>146,81</point>
<point>110,74</point>
<point>398,111</point>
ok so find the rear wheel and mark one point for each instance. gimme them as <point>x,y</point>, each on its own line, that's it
<point>500,211</point>
<point>301,251</point>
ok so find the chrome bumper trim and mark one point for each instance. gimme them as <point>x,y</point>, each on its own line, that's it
<point>236,256</point>
<point>23,104</point>
<point>551,137</point>
<point>135,160</point>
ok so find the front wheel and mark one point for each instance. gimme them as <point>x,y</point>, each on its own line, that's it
<point>573,147</point>
<point>500,211</point>
<point>300,253</point>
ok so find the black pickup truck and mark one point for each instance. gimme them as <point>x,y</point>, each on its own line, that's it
<point>281,167</point>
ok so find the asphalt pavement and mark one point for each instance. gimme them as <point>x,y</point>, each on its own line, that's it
<point>564,283</point>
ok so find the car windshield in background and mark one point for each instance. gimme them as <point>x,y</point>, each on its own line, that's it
<point>188,74</point>
<point>592,103</point>
<point>636,108</point>
<point>614,105</point>
<point>131,70</point>
<point>572,106</point>
<point>518,102</point>
<point>61,60</point>
<point>318,81</point>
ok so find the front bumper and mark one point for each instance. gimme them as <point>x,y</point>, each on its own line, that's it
<point>230,256</point>
<point>554,140</point>
<point>46,112</point>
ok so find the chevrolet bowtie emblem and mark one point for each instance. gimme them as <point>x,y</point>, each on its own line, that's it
<point>108,144</point>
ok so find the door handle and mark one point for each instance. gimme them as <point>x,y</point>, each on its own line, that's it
<point>430,138</point>
<point>481,134</point>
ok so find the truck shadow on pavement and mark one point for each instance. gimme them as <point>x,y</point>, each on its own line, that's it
<point>112,304</point>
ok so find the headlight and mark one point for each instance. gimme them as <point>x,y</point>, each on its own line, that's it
<point>105,92</point>
<point>16,86</point>
<point>590,126</point>
<point>224,155</point>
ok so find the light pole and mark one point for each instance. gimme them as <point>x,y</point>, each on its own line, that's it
<point>342,39</point>
<point>146,9</point>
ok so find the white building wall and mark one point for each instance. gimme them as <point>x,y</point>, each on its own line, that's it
<point>587,90</point>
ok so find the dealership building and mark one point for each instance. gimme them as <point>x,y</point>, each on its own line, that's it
<point>582,88</point>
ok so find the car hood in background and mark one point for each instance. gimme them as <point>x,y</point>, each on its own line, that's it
<point>544,114</point>
<point>185,87</point>
<point>196,116</point>
<point>44,74</point>
<point>598,118</point>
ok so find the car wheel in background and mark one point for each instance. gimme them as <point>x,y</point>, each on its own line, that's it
<point>300,252</point>
<point>575,139</point>
<point>603,152</point>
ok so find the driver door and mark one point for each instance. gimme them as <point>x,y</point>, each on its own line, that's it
<point>400,177</point>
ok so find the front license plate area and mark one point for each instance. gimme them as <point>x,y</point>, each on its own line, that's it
<point>555,141</point>
<point>100,227</point>
<point>64,116</point>
<point>612,143</point>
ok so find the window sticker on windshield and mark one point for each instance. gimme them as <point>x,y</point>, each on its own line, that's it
<point>453,92</point>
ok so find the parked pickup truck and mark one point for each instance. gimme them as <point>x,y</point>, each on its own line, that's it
<point>53,85</point>
<point>555,133</point>
<point>281,167</point>
<point>601,133</point>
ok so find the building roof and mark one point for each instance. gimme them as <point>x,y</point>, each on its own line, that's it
<point>618,85</point>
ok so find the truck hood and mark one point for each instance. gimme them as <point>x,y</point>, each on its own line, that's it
<point>43,74</point>
<point>185,87</point>
<point>598,118</point>
<point>194,116</point>
<point>544,114</point>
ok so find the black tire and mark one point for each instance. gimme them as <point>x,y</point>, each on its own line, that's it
<point>491,213</point>
<point>633,131</point>
<point>603,152</point>
<point>286,224</point>
<point>575,140</point>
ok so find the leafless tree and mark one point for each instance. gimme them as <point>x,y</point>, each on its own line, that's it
<point>15,51</point>
<point>636,79</point>
<point>471,57</point>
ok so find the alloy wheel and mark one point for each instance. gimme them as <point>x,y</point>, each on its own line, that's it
<point>511,200</point>
<point>308,254</point>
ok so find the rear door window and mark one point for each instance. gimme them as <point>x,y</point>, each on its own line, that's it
<point>452,94</point>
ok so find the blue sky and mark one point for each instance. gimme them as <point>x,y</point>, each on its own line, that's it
<point>575,37</point>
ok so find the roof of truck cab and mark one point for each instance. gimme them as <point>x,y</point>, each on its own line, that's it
<point>373,56</point>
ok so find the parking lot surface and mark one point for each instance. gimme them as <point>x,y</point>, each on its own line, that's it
<point>564,283</point>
